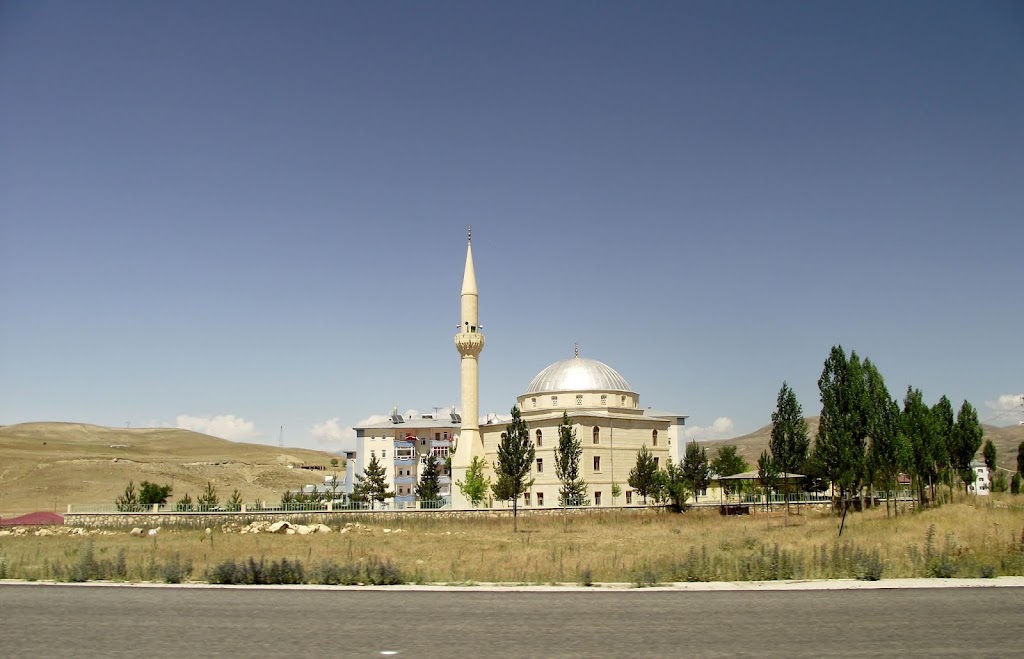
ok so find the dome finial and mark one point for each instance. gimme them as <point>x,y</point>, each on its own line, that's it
<point>576,349</point>
<point>469,233</point>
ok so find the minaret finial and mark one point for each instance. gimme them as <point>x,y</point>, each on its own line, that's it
<point>576,348</point>
<point>469,233</point>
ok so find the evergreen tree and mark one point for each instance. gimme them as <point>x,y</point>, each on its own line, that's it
<point>476,485</point>
<point>128,501</point>
<point>573,491</point>
<point>515,459</point>
<point>235,502</point>
<point>184,504</point>
<point>644,476</point>
<point>967,436</point>
<point>695,470</point>
<point>208,500</point>
<point>371,485</point>
<point>789,440</point>
<point>989,453</point>
<point>428,490</point>
<point>1015,483</point>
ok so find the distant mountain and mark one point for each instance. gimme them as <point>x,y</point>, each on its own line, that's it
<point>45,466</point>
<point>749,446</point>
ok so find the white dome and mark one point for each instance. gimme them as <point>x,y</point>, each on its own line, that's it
<point>578,374</point>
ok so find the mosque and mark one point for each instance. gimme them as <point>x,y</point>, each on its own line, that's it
<point>604,410</point>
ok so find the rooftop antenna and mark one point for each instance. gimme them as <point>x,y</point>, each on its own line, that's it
<point>280,437</point>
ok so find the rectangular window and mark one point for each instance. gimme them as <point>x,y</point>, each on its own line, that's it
<point>597,498</point>
<point>526,498</point>
<point>383,453</point>
<point>597,463</point>
<point>533,401</point>
<point>554,401</point>
<point>540,465</point>
<point>629,497</point>
<point>656,462</point>
<point>540,498</point>
<point>437,436</point>
<point>604,399</point>
<point>579,400</point>
<point>440,451</point>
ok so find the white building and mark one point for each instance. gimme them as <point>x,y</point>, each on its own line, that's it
<point>982,479</point>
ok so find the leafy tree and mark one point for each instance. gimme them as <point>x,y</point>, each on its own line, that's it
<point>476,486</point>
<point>372,484</point>
<point>675,485</point>
<point>208,500</point>
<point>515,459</point>
<point>696,470</point>
<point>1020,458</point>
<point>573,491</point>
<point>989,453</point>
<point>768,475</point>
<point>151,493</point>
<point>888,451</point>
<point>644,476</point>
<point>184,504</point>
<point>789,441</point>
<point>234,504</point>
<point>945,438</point>
<point>429,487</point>
<point>727,461</point>
<point>967,436</point>
<point>1015,483</point>
<point>128,501</point>
<point>917,424</point>
<point>999,482</point>
<point>334,462</point>
<point>841,448</point>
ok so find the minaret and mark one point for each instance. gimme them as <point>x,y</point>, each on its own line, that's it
<point>469,341</point>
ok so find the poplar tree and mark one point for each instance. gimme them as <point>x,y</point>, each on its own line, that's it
<point>644,476</point>
<point>945,439</point>
<point>888,452</point>
<point>789,441</point>
<point>967,436</point>
<point>696,470</point>
<point>767,474</point>
<point>841,448</point>
<point>573,491</point>
<point>515,458</point>
<point>1020,458</point>
<point>989,453</point>
<point>917,423</point>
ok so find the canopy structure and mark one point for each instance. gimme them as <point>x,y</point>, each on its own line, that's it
<point>753,476</point>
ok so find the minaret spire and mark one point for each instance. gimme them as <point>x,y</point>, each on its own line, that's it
<point>469,341</point>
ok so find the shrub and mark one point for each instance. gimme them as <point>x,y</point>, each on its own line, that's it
<point>176,570</point>
<point>586,577</point>
<point>332,574</point>
<point>382,573</point>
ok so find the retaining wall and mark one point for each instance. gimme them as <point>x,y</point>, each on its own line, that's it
<point>201,520</point>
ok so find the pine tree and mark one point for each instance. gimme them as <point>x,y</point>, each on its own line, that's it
<point>573,491</point>
<point>516,453</point>
<point>128,501</point>
<point>789,441</point>
<point>371,485</point>
<point>208,500</point>
<point>644,476</point>
<point>476,485</point>
<point>428,490</point>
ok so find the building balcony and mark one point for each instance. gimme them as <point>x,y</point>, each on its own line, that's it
<point>405,480</point>
<point>405,462</point>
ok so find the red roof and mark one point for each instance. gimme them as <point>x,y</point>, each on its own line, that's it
<point>34,519</point>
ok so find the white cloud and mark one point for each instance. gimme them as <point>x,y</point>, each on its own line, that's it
<point>720,428</point>
<point>225,426</point>
<point>329,430</point>
<point>1005,402</point>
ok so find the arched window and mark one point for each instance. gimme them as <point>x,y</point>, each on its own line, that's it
<point>623,401</point>
<point>654,437</point>
<point>604,399</point>
<point>534,402</point>
<point>554,401</point>
<point>597,435</point>
<point>579,400</point>
<point>540,437</point>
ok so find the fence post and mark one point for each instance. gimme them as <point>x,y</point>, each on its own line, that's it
<point>330,506</point>
<point>243,508</point>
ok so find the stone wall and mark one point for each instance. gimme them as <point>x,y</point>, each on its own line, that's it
<point>203,520</point>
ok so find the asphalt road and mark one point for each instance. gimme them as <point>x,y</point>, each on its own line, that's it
<point>75,621</point>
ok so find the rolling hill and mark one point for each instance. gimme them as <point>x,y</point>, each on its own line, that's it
<point>45,466</point>
<point>1006,439</point>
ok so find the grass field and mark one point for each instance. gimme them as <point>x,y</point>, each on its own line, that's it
<point>966,539</point>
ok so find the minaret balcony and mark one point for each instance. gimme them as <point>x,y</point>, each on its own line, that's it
<point>469,344</point>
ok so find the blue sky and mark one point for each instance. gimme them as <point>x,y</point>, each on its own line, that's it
<point>238,216</point>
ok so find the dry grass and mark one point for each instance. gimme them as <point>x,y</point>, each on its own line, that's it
<point>967,539</point>
<point>45,466</point>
